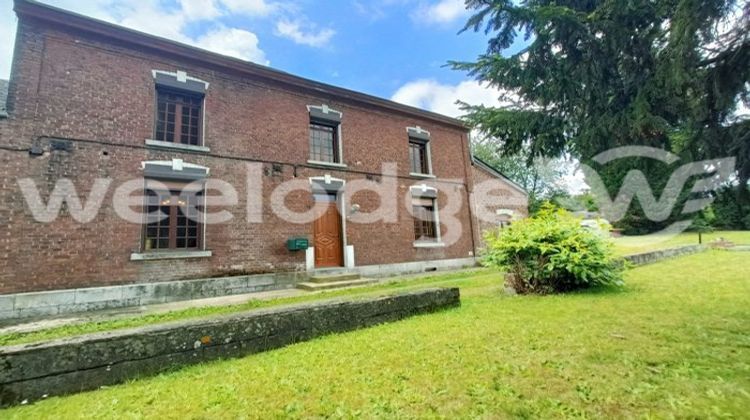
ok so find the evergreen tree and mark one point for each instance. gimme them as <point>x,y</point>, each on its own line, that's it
<point>600,74</point>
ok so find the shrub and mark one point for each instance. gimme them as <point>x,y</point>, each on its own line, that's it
<point>552,252</point>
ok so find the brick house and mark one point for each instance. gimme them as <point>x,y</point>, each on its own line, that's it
<point>100,106</point>
<point>503,204</point>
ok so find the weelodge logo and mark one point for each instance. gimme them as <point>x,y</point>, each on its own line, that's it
<point>142,200</point>
<point>715,172</point>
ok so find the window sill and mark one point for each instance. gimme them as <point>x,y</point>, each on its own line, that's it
<point>429,244</point>
<point>330,164</point>
<point>168,255</point>
<point>420,175</point>
<point>176,146</point>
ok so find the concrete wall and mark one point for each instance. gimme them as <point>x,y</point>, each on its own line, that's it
<point>83,363</point>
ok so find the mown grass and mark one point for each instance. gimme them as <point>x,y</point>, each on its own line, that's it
<point>447,279</point>
<point>636,244</point>
<point>623,246</point>
<point>674,343</point>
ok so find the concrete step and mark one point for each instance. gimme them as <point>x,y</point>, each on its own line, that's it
<point>312,287</point>
<point>333,278</point>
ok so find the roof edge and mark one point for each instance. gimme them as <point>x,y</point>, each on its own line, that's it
<point>65,18</point>
<point>491,169</point>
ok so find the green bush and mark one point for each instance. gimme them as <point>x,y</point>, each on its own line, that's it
<point>552,252</point>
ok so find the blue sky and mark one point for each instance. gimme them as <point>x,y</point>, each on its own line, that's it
<point>394,49</point>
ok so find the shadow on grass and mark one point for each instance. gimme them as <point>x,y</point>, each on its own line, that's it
<point>591,291</point>
<point>604,290</point>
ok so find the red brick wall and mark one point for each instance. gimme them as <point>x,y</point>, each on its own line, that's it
<point>509,197</point>
<point>100,96</point>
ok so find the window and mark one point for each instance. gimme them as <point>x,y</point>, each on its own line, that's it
<point>178,116</point>
<point>173,220</point>
<point>324,142</point>
<point>425,228</point>
<point>418,156</point>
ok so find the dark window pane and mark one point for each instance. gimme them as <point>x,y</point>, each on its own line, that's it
<point>175,230</point>
<point>323,143</point>
<point>178,117</point>
<point>418,157</point>
<point>424,221</point>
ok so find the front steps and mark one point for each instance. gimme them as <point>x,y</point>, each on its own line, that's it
<point>334,281</point>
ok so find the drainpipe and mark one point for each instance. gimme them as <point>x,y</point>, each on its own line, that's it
<point>469,190</point>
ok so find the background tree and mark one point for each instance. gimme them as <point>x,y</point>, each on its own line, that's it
<point>600,74</point>
<point>542,179</point>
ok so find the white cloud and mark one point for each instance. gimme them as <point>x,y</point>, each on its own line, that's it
<point>200,9</point>
<point>433,96</point>
<point>147,16</point>
<point>294,30</point>
<point>442,12</point>
<point>233,42</point>
<point>153,17</point>
<point>371,11</point>
<point>250,7</point>
<point>97,9</point>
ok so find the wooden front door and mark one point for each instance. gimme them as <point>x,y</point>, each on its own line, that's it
<point>328,242</point>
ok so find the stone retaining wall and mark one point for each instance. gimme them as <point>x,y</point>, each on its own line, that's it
<point>32,371</point>
<point>655,256</point>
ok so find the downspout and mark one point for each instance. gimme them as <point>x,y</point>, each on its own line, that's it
<point>469,191</point>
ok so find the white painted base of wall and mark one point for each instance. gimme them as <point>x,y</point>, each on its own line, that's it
<point>414,267</point>
<point>56,302</point>
<point>310,259</point>
<point>349,256</point>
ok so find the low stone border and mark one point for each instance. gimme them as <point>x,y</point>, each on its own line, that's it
<point>33,371</point>
<point>658,255</point>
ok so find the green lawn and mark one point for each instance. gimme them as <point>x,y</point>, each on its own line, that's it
<point>674,342</point>
<point>636,244</point>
